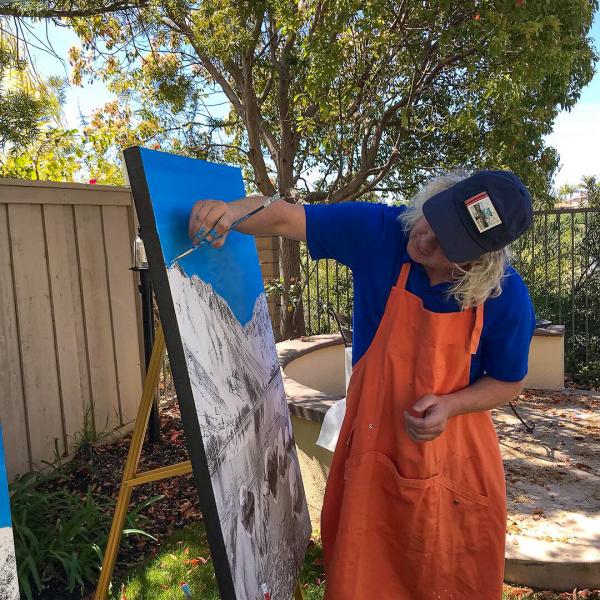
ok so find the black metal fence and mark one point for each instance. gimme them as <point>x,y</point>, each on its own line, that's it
<point>559,259</point>
<point>327,286</point>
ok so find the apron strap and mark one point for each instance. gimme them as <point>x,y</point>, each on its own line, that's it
<point>477,328</point>
<point>403,277</point>
<point>478,310</point>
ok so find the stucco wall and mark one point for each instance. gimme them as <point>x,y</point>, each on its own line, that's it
<point>314,465</point>
<point>323,371</point>
<point>547,360</point>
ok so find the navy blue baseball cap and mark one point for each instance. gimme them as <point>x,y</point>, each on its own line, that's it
<point>480,214</point>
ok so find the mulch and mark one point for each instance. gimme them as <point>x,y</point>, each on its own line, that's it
<point>100,468</point>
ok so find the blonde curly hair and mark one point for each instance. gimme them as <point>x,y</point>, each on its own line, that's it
<point>480,279</point>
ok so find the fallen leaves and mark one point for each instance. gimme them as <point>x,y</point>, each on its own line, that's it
<point>514,592</point>
<point>194,562</point>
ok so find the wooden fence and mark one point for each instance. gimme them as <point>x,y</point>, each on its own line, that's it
<point>268,255</point>
<point>70,342</point>
<point>70,328</point>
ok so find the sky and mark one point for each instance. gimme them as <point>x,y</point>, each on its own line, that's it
<point>575,133</point>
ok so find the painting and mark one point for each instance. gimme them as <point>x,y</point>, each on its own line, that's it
<point>9,586</point>
<point>214,313</point>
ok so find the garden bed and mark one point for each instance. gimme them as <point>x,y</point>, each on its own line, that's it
<point>85,490</point>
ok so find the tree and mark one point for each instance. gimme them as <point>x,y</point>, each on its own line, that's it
<point>21,106</point>
<point>342,99</point>
<point>591,186</point>
<point>48,151</point>
<point>33,144</point>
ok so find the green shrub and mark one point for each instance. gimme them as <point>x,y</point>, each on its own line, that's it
<point>589,375</point>
<point>59,534</point>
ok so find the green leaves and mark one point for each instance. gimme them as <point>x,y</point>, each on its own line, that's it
<point>358,94</point>
<point>23,108</point>
<point>58,534</point>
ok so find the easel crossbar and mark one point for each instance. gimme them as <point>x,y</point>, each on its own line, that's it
<point>182,468</point>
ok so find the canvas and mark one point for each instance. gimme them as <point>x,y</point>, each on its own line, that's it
<point>215,317</point>
<point>9,586</point>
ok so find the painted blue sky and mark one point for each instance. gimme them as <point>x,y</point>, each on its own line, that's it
<point>175,184</point>
<point>574,134</point>
<point>4,501</point>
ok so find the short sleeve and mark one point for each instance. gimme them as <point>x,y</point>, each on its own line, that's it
<point>345,232</point>
<point>508,331</point>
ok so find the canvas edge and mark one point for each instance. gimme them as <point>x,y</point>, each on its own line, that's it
<point>159,278</point>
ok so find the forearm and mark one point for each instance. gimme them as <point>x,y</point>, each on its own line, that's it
<point>261,223</point>
<point>485,394</point>
<point>279,218</point>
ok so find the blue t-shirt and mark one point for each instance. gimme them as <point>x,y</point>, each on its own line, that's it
<point>371,241</point>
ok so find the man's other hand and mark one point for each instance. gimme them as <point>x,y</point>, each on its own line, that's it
<point>433,421</point>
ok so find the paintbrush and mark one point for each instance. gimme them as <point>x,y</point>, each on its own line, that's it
<point>204,242</point>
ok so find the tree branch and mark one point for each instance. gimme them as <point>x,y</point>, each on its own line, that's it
<point>20,11</point>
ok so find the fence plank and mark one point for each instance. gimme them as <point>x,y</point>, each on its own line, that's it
<point>68,317</point>
<point>18,191</point>
<point>36,331</point>
<point>96,309</point>
<point>122,304</point>
<point>12,403</point>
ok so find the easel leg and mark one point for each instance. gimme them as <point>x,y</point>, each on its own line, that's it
<point>133,458</point>
<point>299,593</point>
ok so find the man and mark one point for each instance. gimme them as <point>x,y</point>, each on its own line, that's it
<point>415,504</point>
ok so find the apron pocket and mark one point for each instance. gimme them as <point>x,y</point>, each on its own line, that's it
<point>396,513</point>
<point>386,509</point>
<point>463,517</point>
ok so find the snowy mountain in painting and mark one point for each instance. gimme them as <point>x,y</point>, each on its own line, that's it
<point>244,421</point>
<point>230,365</point>
<point>9,587</point>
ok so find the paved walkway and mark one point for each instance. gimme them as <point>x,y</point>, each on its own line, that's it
<point>553,489</point>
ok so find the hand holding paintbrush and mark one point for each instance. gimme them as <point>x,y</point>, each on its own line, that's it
<point>201,237</point>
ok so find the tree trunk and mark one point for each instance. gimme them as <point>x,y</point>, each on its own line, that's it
<point>292,312</point>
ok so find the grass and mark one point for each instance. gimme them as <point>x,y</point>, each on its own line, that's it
<point>185,558</point>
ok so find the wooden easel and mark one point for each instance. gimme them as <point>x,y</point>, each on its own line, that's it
<point>131,478</point>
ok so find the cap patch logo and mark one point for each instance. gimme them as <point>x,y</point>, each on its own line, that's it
<point>482,211</point>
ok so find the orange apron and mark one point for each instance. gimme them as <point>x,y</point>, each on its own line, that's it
<point>404,520</point>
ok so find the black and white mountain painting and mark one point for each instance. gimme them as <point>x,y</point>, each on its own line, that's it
<point>246,432</point>
<point>9,586</point>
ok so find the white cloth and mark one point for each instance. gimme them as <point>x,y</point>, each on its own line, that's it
<point>334,417</point>
<point>348,365</point>
<point>332,423</point>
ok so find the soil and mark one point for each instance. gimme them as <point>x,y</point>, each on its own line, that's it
<point>101,469</point>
